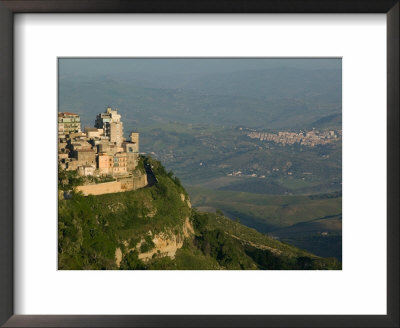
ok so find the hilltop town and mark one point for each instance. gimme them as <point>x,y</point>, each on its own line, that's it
<point>310,138</point>
<point>100,152</point>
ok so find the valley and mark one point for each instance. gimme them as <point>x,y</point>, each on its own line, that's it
<point>258,140</point>
<point>262,184</point>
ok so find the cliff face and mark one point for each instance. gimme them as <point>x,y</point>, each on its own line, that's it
<point>164,244</point>
<point>98,231</point>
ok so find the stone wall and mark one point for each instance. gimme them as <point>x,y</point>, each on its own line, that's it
<point>140,181</point>
<point>125,184</point>
<point>101,188</point>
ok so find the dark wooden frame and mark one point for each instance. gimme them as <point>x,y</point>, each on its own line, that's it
<point>7,10</point>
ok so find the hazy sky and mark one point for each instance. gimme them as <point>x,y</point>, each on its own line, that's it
<point>101,66</point>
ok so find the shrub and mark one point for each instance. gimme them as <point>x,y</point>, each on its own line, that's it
<point>147,245</point>
<point>131,262</point>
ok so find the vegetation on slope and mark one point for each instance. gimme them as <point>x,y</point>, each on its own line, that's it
<point>92,229</point>
<point>265,253</point>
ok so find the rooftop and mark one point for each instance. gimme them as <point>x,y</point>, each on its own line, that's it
<point>62,114</point>
<point>85,150</point>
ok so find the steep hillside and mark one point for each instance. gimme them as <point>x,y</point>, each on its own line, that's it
<point>155,228</point>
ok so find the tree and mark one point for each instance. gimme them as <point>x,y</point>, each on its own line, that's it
<point>68,180</point>
<point>131,261</point>
<point>219,212</point>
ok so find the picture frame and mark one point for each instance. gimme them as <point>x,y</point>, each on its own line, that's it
<point>10,7</point>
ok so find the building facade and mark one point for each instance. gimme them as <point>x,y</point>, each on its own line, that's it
<point>132,150</point>
<point>110,122</point>
<point>68,123</point>
<point>105,164</point>
<point>99,150</point>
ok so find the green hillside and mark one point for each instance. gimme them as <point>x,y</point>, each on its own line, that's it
<point>155,228</point>
<point>311,222</point>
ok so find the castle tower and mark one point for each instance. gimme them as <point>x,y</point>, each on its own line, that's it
<point>135,139</point>
<point>132,149</point>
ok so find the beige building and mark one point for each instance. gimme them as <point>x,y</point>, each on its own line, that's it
<point>92,133</point>
<point>62,145</point>
<point>105,164</point>
<point>77,135</point>
<point>105,146</point>
<point>132,161</point>
<point>62,156</point>
<point>120,163</point>
<point>135,139</point>
<point>68,123</point>
<point>100,150</point>
<point>76,145</point>
<point>86,170</point>
<point>86,157</point>
<point>132,150</point>
<point>116,133</point>
<point>110,123</point>
<point>71,164</point>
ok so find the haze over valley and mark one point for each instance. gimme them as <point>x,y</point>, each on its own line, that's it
<point>258,139</point>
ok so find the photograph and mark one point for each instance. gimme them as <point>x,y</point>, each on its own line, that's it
<point>240,159</point>
<point>199,163</point>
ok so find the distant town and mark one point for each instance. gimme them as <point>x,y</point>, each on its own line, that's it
<point>306,138</point>
<point>100,151</point>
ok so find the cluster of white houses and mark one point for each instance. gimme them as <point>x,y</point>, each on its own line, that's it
<point>100,150</point>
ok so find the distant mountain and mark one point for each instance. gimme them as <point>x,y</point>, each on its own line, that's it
<point>329,121</point>
<point>278,83</point>
<point>273,98</point>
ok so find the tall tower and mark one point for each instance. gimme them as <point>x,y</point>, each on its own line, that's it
<point>116,132</point>
<point>110,122</point>
<point>135,139</point>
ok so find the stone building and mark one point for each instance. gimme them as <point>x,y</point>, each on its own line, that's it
<point>99,150</point>
<point>86,170</point>
<point>132,161</point>
<point>135,139</point>
<point>105,146</point>
<point>86,157</point>
<point>71,164</point>
<point>116,133</point>
<point>92,133</point>
<point>62,144</point>
<point>120,164</point>
<point>76,145</point>
<point>132,150</point>
<point>62,157</point>
<point>105,164</point>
